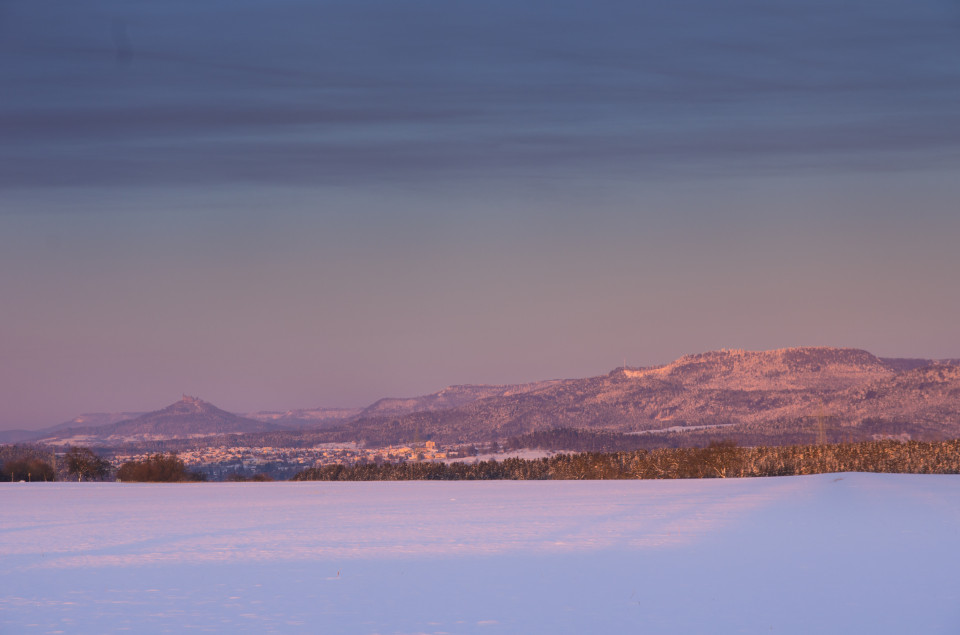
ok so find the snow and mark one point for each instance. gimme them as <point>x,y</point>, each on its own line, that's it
<point>828,554</point>
<point>527,454</point>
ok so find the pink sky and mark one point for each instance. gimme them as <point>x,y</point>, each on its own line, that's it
<point>325,205</point>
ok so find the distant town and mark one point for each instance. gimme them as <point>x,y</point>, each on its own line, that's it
<point>219,463</point>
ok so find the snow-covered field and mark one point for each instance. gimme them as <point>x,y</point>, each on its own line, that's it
<point>847,553</point>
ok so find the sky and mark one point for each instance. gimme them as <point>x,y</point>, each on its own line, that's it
<point>290,204</point>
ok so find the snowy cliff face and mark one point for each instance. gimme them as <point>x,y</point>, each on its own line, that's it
<point>930,394</point>
<point>780,392</point>
<point>812,368</point>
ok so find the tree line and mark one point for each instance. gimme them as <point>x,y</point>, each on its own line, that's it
<point>722,459</point>
<point>718,460</point>
<point>27,462</point>
<point>24,462</point>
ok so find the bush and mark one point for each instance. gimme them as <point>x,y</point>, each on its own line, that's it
<point>159,468</point>
<point>27,469</point>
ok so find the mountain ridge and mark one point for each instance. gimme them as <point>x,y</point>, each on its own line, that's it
<point>782,389</point>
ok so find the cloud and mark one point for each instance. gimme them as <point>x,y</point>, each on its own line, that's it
<point>375,91</point>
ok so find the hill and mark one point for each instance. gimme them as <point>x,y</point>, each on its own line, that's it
<point>792,395</point>
<point>307,417</point>
<point>784,395</point>
<point>449,397</point>
<point>189,417</point>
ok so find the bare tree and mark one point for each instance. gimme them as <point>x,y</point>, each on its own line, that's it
<point>86,465</point>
